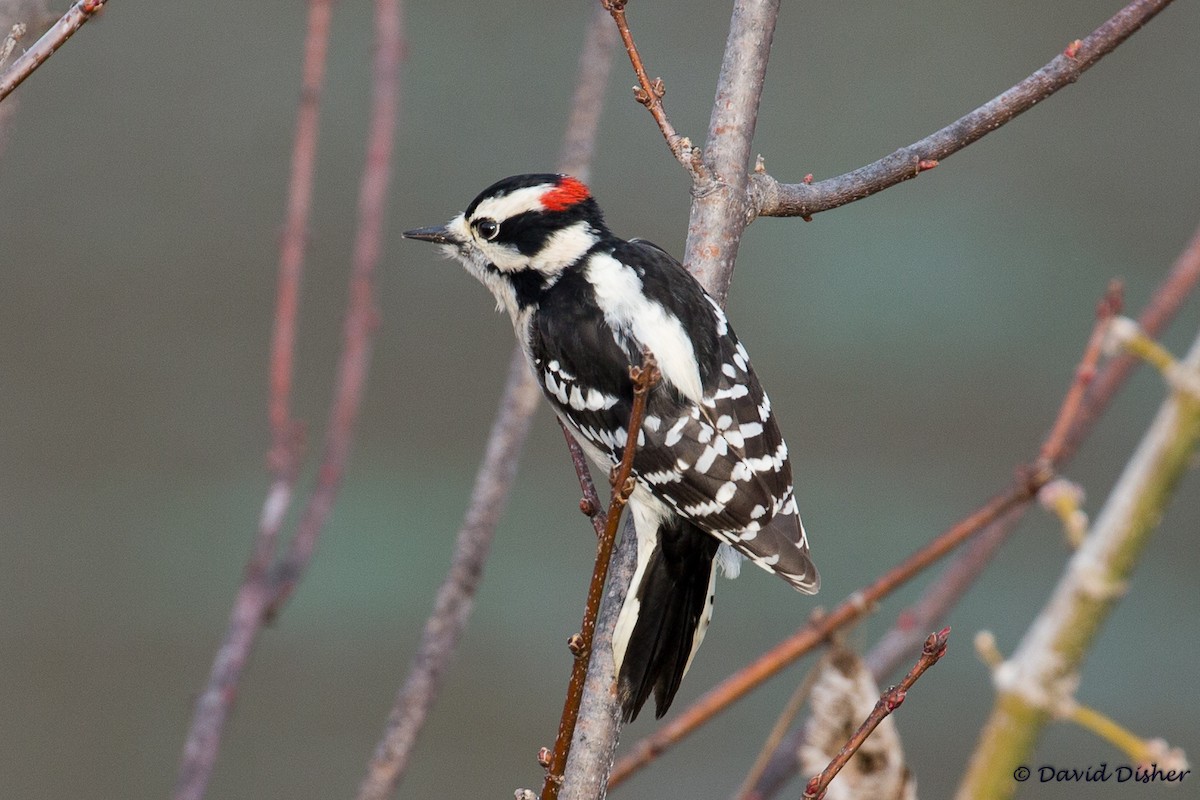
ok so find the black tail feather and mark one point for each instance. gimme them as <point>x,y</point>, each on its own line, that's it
<point>672,596</point>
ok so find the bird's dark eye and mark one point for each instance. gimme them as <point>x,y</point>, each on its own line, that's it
<point>488,228</point>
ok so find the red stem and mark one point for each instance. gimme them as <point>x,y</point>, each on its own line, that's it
<point>247,617</point>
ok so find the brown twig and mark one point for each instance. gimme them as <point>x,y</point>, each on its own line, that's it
<point>889,701</point>
<point>361,314</point>
<point>45,46</point>
<point>1109,306</point>
<point>247,617</point>
<point>1165,304</point>
<point>650,94</point>
<point>589,504</point>
<point>493,480</point>
<point>770,198</point>
<point>1030,480</point>
<point>644,377</point>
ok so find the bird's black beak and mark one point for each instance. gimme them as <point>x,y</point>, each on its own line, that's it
<point>438,234</point>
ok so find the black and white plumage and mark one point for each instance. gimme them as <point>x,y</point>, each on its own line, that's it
<point>712,471</point>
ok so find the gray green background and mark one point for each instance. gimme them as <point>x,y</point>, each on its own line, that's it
<point>915,345</point>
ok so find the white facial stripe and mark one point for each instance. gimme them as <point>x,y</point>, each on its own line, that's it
<point>564,247</point>
<point>504,257</point>
<point>511,204</point>
<point>625,305</point>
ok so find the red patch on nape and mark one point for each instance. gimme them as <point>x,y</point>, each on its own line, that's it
<point>566,193</point>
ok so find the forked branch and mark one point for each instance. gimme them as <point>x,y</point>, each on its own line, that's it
<point>247,616</point>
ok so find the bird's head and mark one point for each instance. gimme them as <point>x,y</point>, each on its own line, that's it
<point>520,233</point>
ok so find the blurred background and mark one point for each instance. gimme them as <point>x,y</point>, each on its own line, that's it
<point>916,346</point>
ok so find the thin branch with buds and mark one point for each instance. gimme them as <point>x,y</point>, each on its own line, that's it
<point>45,46</point>
<point>770,198</point>
<point>644,378</point>
<point>494,479</point>
<point>650,94</point>
<point>589,504</point>
<point>934,649</point>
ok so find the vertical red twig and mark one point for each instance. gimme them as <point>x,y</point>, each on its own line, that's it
<point>361,313</point>
<point>246,617</point>
<point>644,378</point>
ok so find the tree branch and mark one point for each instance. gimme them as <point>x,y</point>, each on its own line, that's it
<point>246,618</point>
<point>770,198</point>
<point>495,476</point>
<point>889,701</point>
<point>650,94</point>
<point>720,224</point>
<point>719,214</point>
<point>644,377</point>
<point>943,594</point>
<point>45,46</point>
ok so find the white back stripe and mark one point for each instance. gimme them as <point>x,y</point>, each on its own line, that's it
<point>627,309</point>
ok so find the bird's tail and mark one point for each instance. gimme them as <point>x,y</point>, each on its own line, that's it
<point>666,612</point>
